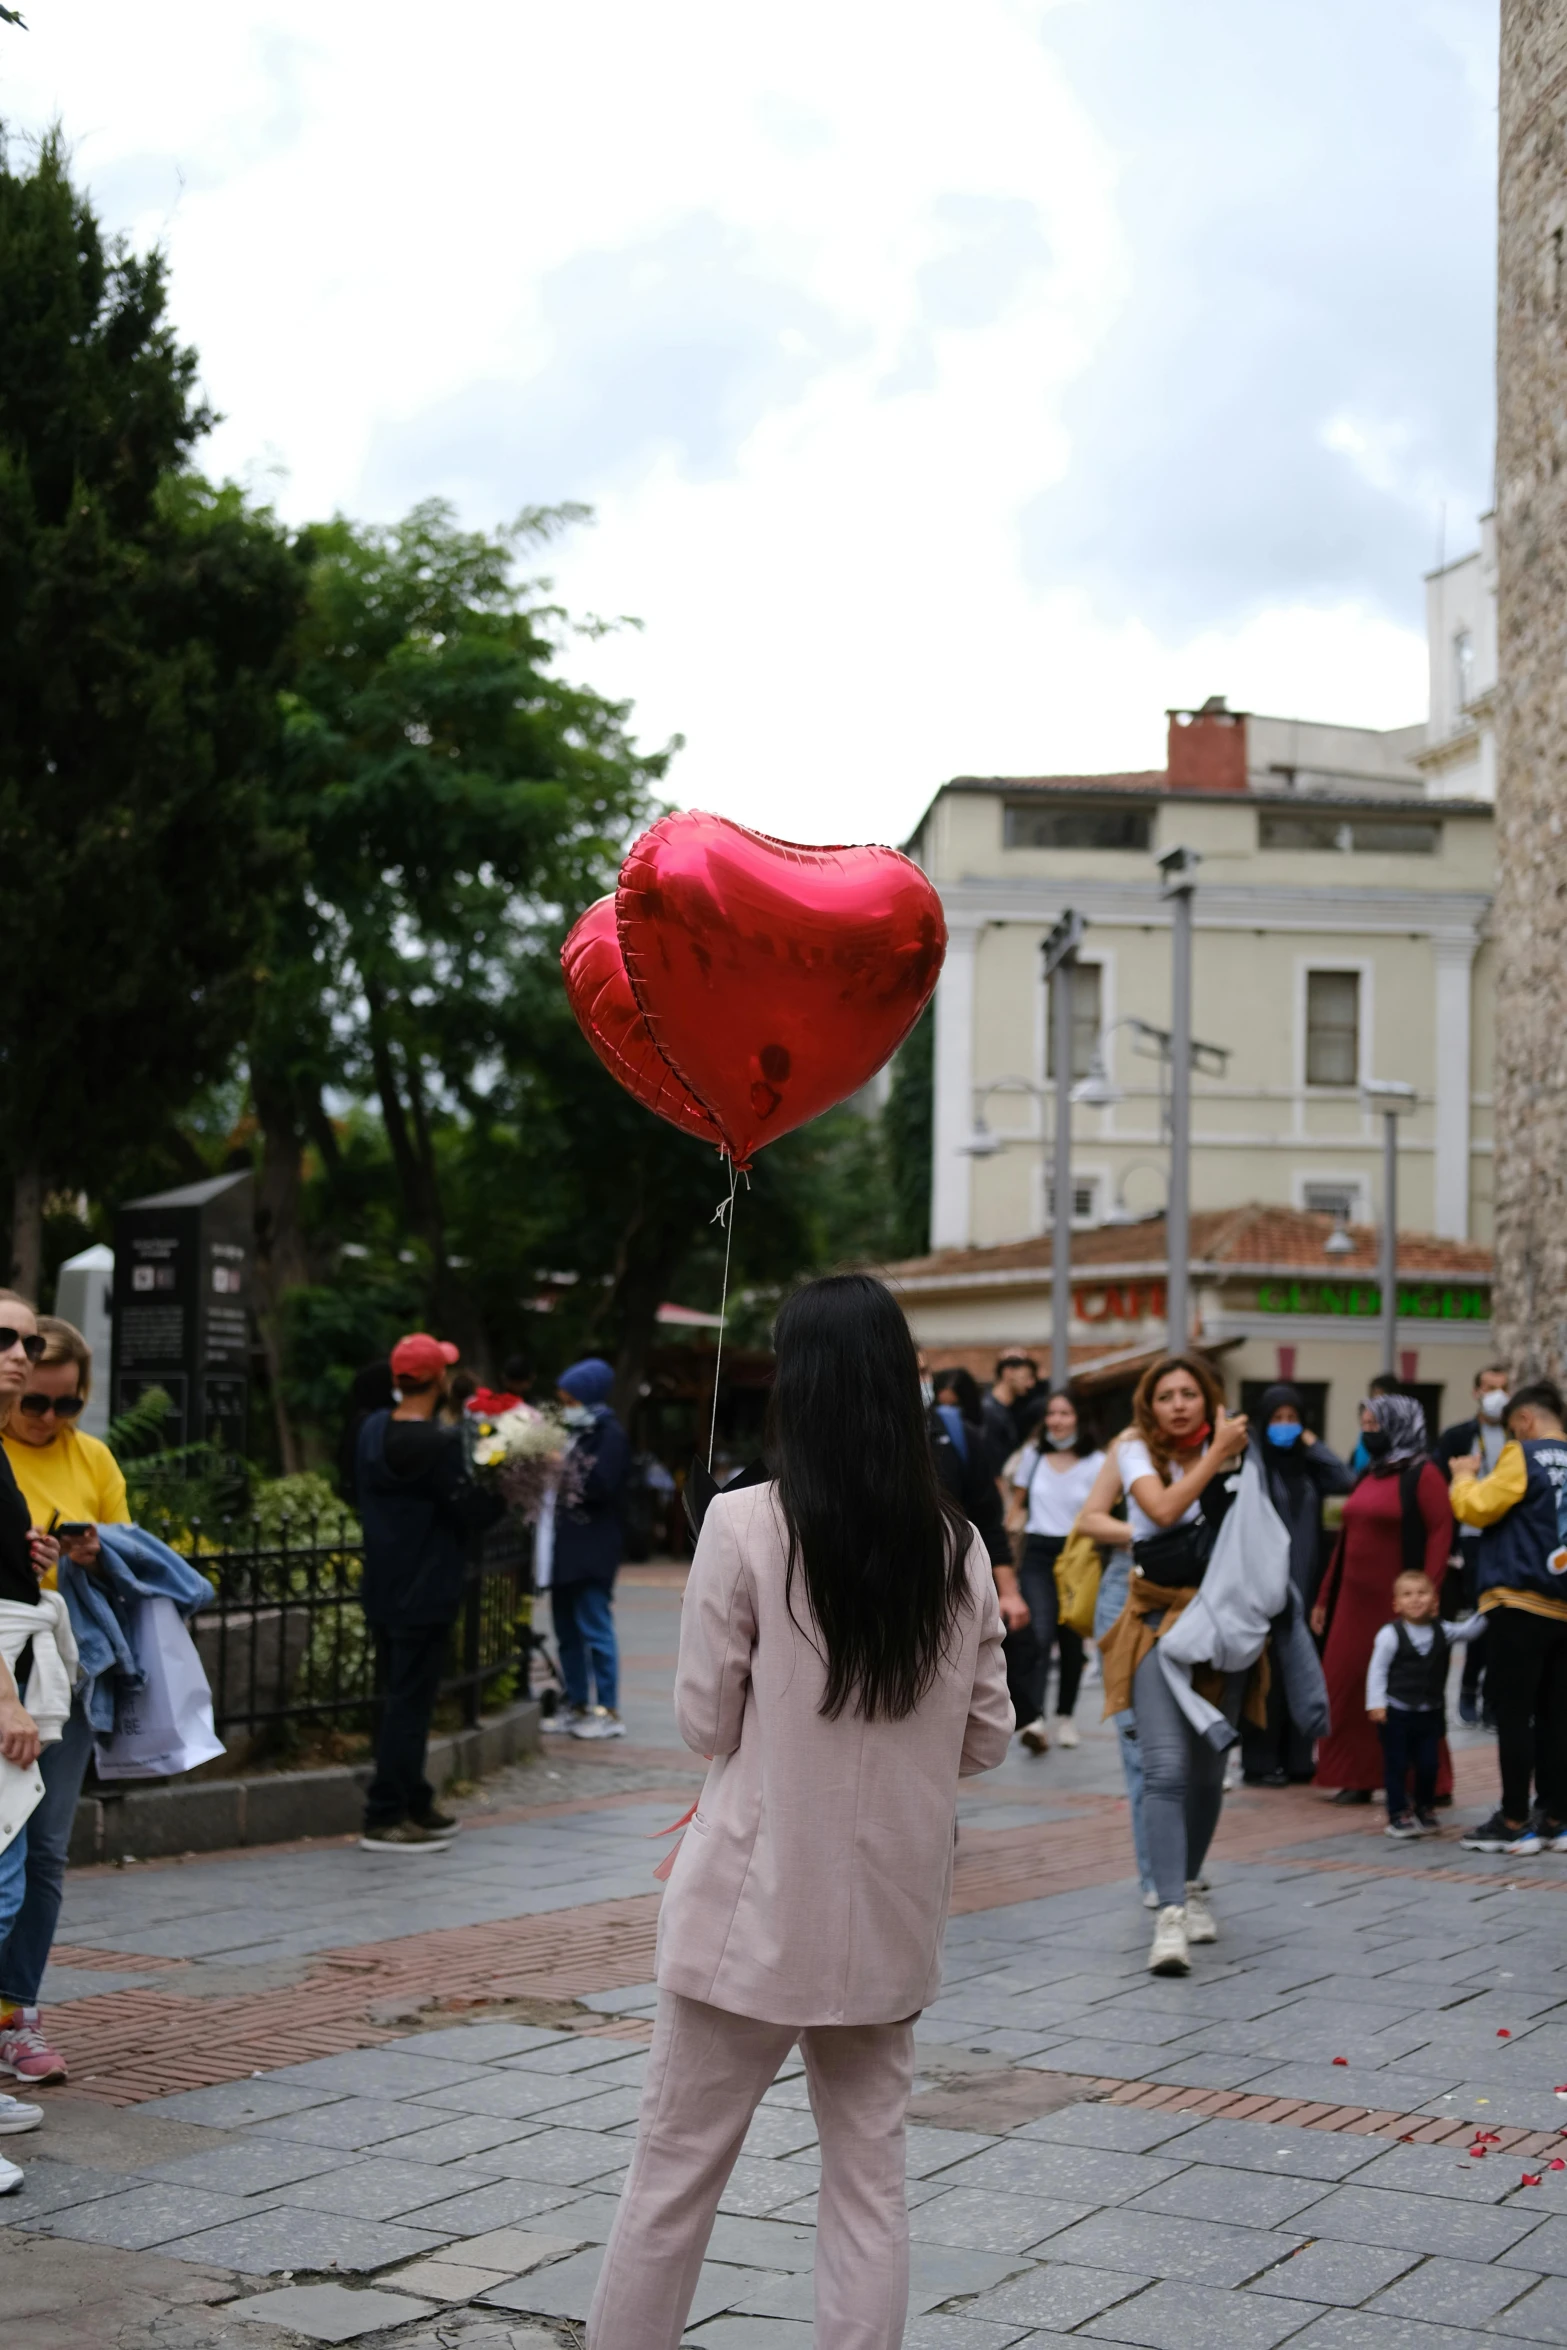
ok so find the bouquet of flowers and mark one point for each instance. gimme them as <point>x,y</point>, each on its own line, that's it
<point>519,1449</point>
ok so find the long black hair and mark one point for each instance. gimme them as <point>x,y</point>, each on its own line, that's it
<point>882,1550</point>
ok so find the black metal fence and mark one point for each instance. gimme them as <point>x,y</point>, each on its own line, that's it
<point>285,1645</point>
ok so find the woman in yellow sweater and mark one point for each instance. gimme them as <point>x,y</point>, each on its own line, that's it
<point>66,1478</point>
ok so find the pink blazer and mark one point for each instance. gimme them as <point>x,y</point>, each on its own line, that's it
<point>812,1884</point>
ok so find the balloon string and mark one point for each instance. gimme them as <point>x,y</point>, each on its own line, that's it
<point>723,1214</point>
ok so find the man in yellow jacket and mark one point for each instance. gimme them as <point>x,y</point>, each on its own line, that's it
<point>1521,1512</point>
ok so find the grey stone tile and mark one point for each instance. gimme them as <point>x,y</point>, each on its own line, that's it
<point>386,2187</point>
<point>1055,2297</point>
<point>1193,2317</point>
<point>265,2243</point>
<point>990,2221</point>
<point>346,2124</point>
<point>510,2096</point>
<point>962,2333</point>
<point>378,2072</point>
<point>247,2167</point>
<point>575,2054</point>
<point>1451,2292</point>
<point>1545,2251</point>
<point>1198,2252</point>
<point>775,2131</point>
<point>236,2102</point>
<point>930,2150</point>
<point>1442,2170</point>
<point>55,2186</point>
<point>1342,2274</point>
<point>499,2206</point>
<point>761,2243</point>
<point>1211,2191</point>
<point>938,2273</point>
<point>463,2136</point>
<point>1539,2314</point>
<point>1125,2129</point>
<point>1296,2154</point>
<point>1071,2173</point>
<point>482,2043</point>
<point>329,2313</point>
<point>757,2187</point>
<point>605,2112</point>
<point>1361,2329</point>
<point>565,2288</point>
<point>566,2158</point>
<point>143,2216</point>
<point>588,2217</point>
<point>1421,2223</point>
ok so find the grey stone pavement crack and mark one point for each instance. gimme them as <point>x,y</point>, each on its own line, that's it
<point>452,2189</point>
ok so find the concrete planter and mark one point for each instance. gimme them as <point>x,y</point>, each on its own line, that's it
<point>216,1815</point>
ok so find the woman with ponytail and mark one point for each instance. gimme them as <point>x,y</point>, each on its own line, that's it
<point>840,1663</point>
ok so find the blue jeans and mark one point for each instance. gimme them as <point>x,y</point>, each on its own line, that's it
<point>585,1635</point>
<point>27,1925</point>
<point>1183,1777</point>
<point>1113,1586</point>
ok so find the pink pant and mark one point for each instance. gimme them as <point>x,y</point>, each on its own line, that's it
<point>707,2071</point>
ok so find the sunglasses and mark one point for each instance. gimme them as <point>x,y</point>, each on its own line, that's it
<point>64,1407</point>
<point>32,1345</point>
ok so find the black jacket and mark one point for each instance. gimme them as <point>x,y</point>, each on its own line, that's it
<point>420,1512</point>
<point>1297,1493</point>
<point>970,1483</point>
<point>590,1536</point>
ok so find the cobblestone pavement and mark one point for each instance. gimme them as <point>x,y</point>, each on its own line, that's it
<point>328,2095</point>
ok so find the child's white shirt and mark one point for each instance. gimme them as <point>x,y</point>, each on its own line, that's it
<point>1385,1647</point>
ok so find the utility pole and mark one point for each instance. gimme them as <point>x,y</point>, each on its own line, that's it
<point>1178,868</point>
<point>1060,960</point>
<point>1390,1100</point>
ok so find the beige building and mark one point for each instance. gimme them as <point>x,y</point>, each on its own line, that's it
<point>1339,935</point>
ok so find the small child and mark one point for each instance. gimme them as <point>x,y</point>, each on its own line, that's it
<point>1406,1696</point>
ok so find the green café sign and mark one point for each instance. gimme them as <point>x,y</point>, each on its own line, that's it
<point>1452,1302</point>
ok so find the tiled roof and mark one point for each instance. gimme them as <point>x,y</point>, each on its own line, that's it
<point>1143,779</point>
<point>1254,1238</point>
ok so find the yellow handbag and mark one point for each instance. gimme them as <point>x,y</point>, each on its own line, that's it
<point>1078,1569</point>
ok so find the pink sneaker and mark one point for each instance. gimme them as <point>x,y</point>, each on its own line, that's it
<point>25,2053</point>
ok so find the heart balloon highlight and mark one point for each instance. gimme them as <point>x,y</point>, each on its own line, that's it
<point>774,978</point>
<point>599,993</point>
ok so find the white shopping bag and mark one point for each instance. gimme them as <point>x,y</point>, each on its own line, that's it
<point>1246,1585</point>
<point>165,1726</point>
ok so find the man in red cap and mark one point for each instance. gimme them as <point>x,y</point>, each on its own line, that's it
<point>419,1510</point>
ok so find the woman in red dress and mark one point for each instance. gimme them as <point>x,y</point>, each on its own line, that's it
<point>1356,1598</point>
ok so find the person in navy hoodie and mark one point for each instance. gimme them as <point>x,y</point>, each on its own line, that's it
<point>589,1542</point>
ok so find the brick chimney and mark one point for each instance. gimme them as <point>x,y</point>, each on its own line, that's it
<point>1207,747</point>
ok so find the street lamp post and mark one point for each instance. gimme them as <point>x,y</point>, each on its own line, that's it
<point>1178,868</point>
<point>1390,1099</point>
<point>1059,956</point>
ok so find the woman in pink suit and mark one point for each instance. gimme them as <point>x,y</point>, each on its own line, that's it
<point>840,1662</point>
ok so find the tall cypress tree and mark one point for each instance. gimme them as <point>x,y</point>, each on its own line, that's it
<point>144,620</point>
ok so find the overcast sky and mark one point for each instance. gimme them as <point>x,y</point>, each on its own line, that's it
<point>956,382</point>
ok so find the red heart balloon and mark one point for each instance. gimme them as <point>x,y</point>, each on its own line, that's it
<point>599,993</point>
<point>775,979</point>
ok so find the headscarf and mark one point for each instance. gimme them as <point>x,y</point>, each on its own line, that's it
<point>1288,1460</point>
<point>589,1381</point>
<point>1405,1423</point>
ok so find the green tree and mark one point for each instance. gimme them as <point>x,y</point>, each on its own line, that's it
<point>455,796</point>
<point>146,620</point>
<point>908,1129</point>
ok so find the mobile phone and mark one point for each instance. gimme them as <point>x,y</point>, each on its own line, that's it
<point>77,1526</point>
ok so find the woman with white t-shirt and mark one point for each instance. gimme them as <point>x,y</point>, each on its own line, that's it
<point>1053,1478</point>
<point>1180,1442</point>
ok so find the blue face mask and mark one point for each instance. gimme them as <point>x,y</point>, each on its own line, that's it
<point>1284,1432</point>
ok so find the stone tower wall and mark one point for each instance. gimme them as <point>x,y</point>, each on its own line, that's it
<point>1530,915</point>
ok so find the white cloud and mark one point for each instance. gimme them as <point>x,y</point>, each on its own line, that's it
<point>835,318</point>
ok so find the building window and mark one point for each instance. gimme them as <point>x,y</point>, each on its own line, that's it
<point>1096,826</point>
<point>1376,836</point>
<point>1085,1200</point>
<point>1330,1197</point>
<point>1087,1020</point>
<point>1332,1027</point>
<point>1463,673</point>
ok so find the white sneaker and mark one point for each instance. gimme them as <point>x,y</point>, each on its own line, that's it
<point>1066,1731</point>
<point>1035,1736</point>
<point>555,1724</point>
<point>598,1722</point>
<point>1200,1926</point>
<point>15,2117</point>
<point>1150,1899</point>
<point>1168,1955</point>
<point>10,2177</point>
